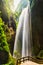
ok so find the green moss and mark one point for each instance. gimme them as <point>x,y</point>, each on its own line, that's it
<point>12,61</point>
<point>4,47</point>
<point>40,55</point>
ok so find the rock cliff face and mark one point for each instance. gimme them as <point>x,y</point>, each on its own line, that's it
<point>37,26</point>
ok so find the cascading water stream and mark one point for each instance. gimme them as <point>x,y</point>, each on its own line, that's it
<point>23,35</point>
<point>26,46</point>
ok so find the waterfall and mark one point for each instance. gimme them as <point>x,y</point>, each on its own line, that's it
<point>23,34</point>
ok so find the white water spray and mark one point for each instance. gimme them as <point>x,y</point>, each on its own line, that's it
<point>23,34</point>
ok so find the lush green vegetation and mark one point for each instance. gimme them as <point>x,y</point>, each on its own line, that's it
<point>7,34</point>
<point>4,47</point>
<point>3,41</point>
